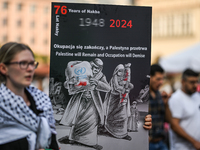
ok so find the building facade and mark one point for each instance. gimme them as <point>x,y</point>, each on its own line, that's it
<point>175,25</point>
<point>26,21</point>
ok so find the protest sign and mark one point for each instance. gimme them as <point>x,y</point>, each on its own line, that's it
<point>99,75</point>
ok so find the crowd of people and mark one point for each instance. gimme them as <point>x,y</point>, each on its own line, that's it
<point>181,110</point>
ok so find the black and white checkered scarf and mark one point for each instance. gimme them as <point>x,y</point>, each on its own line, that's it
<point>13,109</point>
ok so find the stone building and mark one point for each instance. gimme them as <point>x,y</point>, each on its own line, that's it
<point>175,25</point>
<point>26,21</point>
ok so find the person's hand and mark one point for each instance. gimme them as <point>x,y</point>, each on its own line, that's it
<point>127,90</point>
<point>122,82</point>
<point>148,122</point>
<point>93,81</point>
<point>196,144</point>
<point>165,97</point>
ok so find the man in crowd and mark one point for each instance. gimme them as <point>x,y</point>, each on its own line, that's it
<point>185,109</point>
<point>158,108</point>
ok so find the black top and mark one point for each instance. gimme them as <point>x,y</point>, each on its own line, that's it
<point>22,144</point>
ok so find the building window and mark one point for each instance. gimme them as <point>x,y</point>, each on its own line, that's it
<point>5,38</point>
<point>19,6</point>
<point>170,25</point>
<point>186,24</point>
<point>46,25</point>
<point>19,39</point>
<point>5,5</point>
<point>32,40</point>
<point>177,24</point>
<point>45,41</point>
<point>156,26</point>
<point>46,10</point>
<point>33,8</point>
<point>33,24</point>
<point>5,22</point>
<point>19,23</point>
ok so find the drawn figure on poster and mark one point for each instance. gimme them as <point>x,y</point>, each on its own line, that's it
<point>57,97</point>
<point>133,120</point>
<point>143,95</point>
<point>85,109</point>
<point>116,111</point>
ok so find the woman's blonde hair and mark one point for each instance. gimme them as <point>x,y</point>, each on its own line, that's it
<point>8,52</point>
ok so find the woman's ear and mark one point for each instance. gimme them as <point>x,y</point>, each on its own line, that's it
<point>3,69</point>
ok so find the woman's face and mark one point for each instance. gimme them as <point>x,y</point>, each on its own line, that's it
<point>120,72</point>
<point>17,77</point>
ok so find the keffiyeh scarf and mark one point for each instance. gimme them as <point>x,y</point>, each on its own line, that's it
<point>17,120</point>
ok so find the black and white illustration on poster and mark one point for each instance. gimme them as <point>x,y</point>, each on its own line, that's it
<point>99,75</point>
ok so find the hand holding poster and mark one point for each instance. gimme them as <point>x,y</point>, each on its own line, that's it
<point>100,54</point>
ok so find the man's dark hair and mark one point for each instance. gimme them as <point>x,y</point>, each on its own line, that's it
<point>156,68</point>
<point>189,73</point>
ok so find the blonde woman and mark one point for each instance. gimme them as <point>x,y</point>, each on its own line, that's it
<point>26,116</point>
